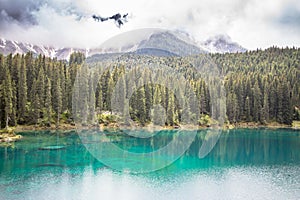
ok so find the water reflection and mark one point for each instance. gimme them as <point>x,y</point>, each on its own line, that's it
<point>234,147</point>
<point>265,162</point>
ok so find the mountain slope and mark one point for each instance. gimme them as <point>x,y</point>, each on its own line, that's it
<point>143,41</point>
<point>167,41</point>
<point>14,47</point>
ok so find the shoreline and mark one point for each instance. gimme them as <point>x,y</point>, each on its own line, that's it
<point>113,126</point>
<point>12,134</point>
<point>272,125</point>
<point>24,128</point>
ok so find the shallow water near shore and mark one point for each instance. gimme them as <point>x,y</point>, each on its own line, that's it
<point>244,164</point>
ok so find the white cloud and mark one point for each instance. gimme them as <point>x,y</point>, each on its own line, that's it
<point>252,23</point>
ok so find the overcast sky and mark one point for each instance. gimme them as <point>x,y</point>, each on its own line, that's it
<point>251,23</point>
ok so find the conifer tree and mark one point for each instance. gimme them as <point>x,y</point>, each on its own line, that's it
<point>248,109</point>
<point>171,111</point>
<point>48,104</point>
<point>35,104</point>
<point>40,90</point>
<point>15,102</point>
<point>265,108</point>
<point>92,101</point>
<point>57,101</point>
<point>157,110</point>
<point>99,97</point>
<point>286,104</point>
<point>22,92</point>
<point>140,103</point>
<point>232,107</point>
<point>8,96</point>
<point>256,102</point>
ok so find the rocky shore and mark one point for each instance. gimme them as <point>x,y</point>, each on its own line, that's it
<point>8,135</point>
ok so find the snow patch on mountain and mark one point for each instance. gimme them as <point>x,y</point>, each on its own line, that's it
<point>144,40</point>
<point>128,41</point>
<point>221,44</point>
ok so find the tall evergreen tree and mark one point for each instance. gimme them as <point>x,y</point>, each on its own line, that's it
<point>40,90</point>
<point>286,104</point>
<point>140,102</point>
<point>158,116</point>
<point>92,101</point>
<point>57,101</point>
<point>48,103</point>
<point>35,104</point>
<point>248,109</point>
<point>15,102</point>
<point>22,92</point>
<point>8,96</point>
<point>265,108</point>
<point>232,107</point>
<point>256,102</point>
<point>171,111</point>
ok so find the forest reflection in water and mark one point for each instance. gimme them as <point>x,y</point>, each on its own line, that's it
<point>244,164</point>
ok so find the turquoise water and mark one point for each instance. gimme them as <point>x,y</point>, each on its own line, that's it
<point>244,164</point>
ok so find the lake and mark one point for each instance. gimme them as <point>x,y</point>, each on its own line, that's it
<point>243,164</point>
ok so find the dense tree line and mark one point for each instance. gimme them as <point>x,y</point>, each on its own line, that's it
<point>261,86</point>
<point>35,90</point>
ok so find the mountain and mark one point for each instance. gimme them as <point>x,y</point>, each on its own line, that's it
<point>150,41</point>
<point>155,42</point>
<point>222,44</point>
<point>14,47</point>
<point>169,42</point>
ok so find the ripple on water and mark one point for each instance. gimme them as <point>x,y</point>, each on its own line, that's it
<point>276,182</point>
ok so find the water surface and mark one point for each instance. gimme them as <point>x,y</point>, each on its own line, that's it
<point>244,164</point>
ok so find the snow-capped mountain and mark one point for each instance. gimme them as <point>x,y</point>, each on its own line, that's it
<point>222,44</point>
<point>156,42</point>
<point>145,41</point>
<point>14,47</point>
<point>168,41</point>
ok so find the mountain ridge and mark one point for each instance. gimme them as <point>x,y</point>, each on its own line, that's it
<point>167,43</point>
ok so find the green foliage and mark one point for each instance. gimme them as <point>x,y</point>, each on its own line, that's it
<point>261,86</point>
<point>205,120</point>
<point>107,118</point>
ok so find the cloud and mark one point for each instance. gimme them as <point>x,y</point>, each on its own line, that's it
<point>254,23</point>
<point>290,17</point>
<point>18,11</point>
<point>259,26</point>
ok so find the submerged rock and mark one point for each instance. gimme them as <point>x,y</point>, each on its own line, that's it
<point>52,147</point>
<point>51,165</point>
